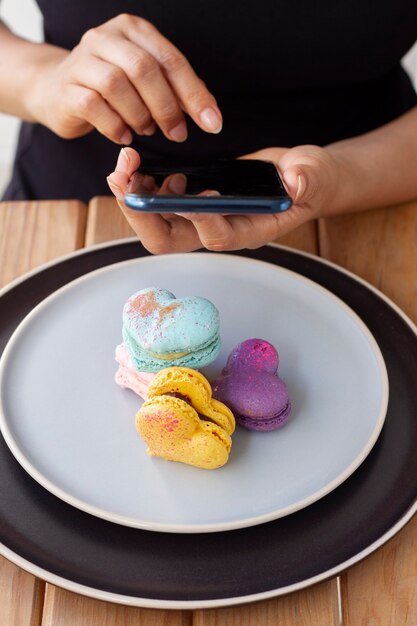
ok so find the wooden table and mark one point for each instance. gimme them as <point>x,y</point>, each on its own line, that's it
<point>381,247</point>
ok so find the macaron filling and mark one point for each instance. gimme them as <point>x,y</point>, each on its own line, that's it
<point>169,357</point>
<point>150,361</point>
<point>262,423</point>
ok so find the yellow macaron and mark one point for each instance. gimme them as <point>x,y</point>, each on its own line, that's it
<point>182,422</point>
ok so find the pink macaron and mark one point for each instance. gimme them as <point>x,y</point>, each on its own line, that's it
<point>128,377</point>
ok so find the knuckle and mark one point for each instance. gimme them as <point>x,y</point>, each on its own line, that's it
<point>127,19</point>
<point>147,28</point>
<point>142,66</point>
<point>173,61</point>
<point>168,114</point>
<point>91,36</point>
<point>111,80</point>
<point>136,21</point>
<point>313,185</point>
<point>87,36</point>
<point>88,102</point>
<point>197,97</point>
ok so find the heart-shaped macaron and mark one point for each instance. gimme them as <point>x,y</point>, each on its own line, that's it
<point>160,330</point>
<point>250,386</point>
<point>128,377</point>
<point>182,422</point>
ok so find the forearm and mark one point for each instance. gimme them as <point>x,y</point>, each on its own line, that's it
<point>21,63</point>
<point>379,168</point>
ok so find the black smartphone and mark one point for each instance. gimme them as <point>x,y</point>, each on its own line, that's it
<point>223,186</point>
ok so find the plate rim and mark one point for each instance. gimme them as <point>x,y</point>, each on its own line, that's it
<point>168,527</point>
<point>151,603</point>
<point>93,592</point>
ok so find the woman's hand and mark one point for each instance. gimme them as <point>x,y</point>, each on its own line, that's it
<point>310,174</point>
<point>122,75</point>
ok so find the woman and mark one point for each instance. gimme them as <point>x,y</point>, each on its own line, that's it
<point>317,89</point>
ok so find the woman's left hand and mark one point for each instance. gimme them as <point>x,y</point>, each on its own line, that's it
<point>310,174</point>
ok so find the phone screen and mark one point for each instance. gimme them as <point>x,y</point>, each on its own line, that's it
<point>233,185</point>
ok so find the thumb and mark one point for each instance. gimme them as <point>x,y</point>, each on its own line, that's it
<point>302,183</point>
<point>117,181</point>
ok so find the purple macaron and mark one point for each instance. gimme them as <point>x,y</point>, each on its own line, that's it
<point>250,386</point>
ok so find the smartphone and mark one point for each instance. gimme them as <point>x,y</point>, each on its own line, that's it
<point>223,186</point>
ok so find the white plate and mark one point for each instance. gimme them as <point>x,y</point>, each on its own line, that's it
<point>72,428</point>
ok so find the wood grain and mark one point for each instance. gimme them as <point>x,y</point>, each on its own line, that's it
<point>105,221</point>
<point>21,596</point>
<point>316,606</point>
<point>381,247</point>
<point>32,233</point>
<point>382,590</point>
<point>63,608</point>
<point>304,238</point>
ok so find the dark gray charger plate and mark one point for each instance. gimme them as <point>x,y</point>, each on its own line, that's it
<point>92,556</point>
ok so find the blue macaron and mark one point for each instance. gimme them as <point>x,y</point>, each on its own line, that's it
<point>160,330</point>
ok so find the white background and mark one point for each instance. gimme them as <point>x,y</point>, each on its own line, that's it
<point>24,18</point>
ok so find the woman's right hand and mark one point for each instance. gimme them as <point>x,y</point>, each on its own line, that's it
<point>122,75</point>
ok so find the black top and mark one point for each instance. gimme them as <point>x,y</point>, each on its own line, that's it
<point>283,73</point>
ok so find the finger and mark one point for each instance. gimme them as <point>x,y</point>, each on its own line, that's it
<point>127,163</point>
<point>117,181</point>
<point>111,82</point>
<point>148,80</point>
<point>193,94</point>
<point>303,184</point>
<point>309,175</point>
<point>214,231</point>
<point>268,154</point>
<point>174,184</point>
<point>161,236</point>
<point>234,232</point>
<point>89,105</point>
<point>158,234</point>
<point>210,193</point>
<point>184,237</point>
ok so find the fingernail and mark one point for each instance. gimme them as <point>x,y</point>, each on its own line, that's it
<point>211,120</point>
<point>177,184</point>
<point>115,189</point>
<point>126,138</point>
<point>301,187</point>
<point>123,160</point>
<point>179,132</point>
<point>211,193</point>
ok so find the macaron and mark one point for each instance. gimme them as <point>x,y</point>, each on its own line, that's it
<point>128,377</point>
<point>160,330</point>
<point>182,422</point>
<point>250,386</point>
